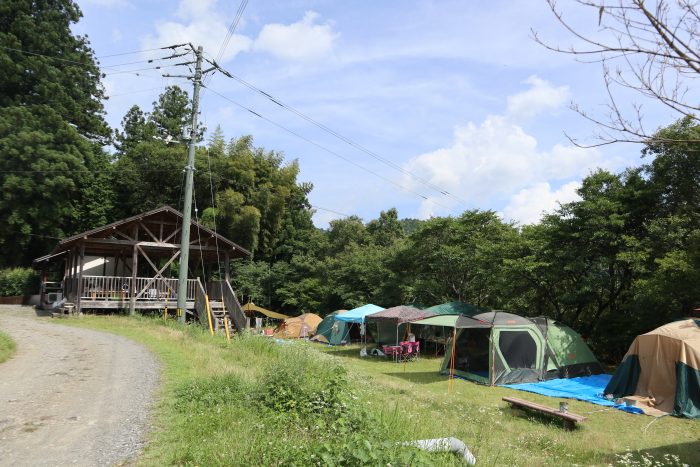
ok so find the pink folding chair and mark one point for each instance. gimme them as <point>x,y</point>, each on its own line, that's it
<point>410,351</point>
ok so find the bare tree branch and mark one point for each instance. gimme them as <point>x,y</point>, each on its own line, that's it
<point>654,48</point>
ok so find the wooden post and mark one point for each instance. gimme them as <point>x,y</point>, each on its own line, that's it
<point>132,287</point>
<point>227,269</point>
<point>80,276</point>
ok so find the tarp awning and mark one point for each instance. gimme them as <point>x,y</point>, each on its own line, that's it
<point>252,307</point>
<point>439,320</point>
<point>399,314</point>
<point>357,315</point>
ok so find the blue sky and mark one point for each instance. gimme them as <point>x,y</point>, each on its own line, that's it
<point>455,94</point>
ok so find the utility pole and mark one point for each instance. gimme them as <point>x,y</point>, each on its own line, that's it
<point>189,168</point>
<point>187,207</point>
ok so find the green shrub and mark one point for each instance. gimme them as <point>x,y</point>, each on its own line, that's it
<point>7,346</point>
<point>18,281</point>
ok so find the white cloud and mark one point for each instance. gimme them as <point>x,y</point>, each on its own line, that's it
<point>497,161</point>
<point>300,41</point>
<point>528,205</point>
<point>202,25</point>
<point>540,97</point>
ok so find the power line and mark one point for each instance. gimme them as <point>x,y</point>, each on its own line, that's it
<point>231,29</point>
<point>135,92</point>
<point>75,62</point>
<point>330,151</point>
<point>330,210</point>
<point>158,67</point>
<point>343,138</point>
<point>33,235</point>
<point>130,53</point>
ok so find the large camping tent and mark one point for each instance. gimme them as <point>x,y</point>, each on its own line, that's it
<point>503,348</point>
<point>440,333</point>
<point>437,329</point>
<point>661,370</point>
<point>354,320</point>
<point>391,323</point>
<point>299,326</point>
<point>333,332</point>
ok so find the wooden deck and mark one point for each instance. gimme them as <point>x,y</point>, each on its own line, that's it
<point>117,304</point>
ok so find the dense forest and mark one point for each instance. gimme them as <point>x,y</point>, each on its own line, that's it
<point>622,260</point>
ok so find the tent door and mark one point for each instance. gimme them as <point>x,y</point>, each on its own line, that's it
<point>518,347</point>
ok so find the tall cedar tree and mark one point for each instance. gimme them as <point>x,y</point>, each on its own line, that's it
<point>53,172</point>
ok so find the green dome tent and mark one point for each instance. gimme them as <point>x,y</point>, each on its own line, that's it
<point>503,348</point>
<point>326,333</point>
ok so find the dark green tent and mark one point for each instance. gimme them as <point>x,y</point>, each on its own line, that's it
<point>334,332</point>
<point>503,348</point>
<point>456,308</point>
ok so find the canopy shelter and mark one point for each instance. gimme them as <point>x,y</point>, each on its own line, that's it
<point>441,333</point>
<point>661,371</point>
<point>330,331</point>
<point>392,322</point>
<point>298,326</point>
<point>504,348</point>
<point>456,308</point>
<point>447,321</point>
<point>357,315</point>
<point>251,309</point>
<point>127,264</point>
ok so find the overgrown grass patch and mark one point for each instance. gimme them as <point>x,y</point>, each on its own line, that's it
<point>7,347</point>
<point>252,401</point>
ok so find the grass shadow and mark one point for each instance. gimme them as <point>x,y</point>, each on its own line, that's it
<point>419,377</point>
<point>670,454</point>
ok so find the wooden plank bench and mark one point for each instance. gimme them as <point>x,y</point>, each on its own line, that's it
<point>570,418</point>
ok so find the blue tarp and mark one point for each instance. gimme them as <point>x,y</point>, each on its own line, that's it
<point>584,388</point>
<point>357,315</point>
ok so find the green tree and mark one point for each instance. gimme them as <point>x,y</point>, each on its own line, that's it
<point>455,259</point>
<point>53,174</point>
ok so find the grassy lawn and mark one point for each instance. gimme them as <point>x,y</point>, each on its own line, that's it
<point>7,347</point>
<point>254,402</point>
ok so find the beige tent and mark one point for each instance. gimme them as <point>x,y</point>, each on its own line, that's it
<point>661,371</point>
<point>299,326</point>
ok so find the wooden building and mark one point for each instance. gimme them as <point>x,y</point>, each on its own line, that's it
<point>127,264</point>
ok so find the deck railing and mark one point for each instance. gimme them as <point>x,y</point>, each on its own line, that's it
<point>144,288</point>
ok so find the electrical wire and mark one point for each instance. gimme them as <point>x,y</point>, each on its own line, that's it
<point>232,29</point>
<point>134,92</point>
<point>213,205</point>
<point>130,53</point>
<point>330,210</point>
<point>158,67</point>
<point>75,62</point>
<point>341,137</point>
<point>330,151</point>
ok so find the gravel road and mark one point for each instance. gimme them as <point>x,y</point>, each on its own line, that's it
<point>72,396</point>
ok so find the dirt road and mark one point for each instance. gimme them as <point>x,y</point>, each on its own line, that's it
<point>71,396</point>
